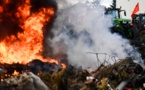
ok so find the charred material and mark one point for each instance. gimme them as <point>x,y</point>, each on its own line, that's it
<point>35,66</point>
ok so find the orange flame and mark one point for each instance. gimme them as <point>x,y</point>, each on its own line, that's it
<point>15,73</point>
<point>1,9</point>
<point>53,61</point>
<point>27,45</point>
<point>7,1</point>
<point>63,65</point>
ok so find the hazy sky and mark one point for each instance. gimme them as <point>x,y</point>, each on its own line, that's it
<point>106,2</point>
<point>127,5</point>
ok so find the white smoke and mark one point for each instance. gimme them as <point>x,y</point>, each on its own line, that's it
<point>66,3</point>
<point>79,29</point>
<point>106,3</point>
<point>78,1</point>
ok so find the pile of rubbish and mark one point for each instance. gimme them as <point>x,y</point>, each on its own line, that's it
<point>122,75</point>
<point>25,81</point>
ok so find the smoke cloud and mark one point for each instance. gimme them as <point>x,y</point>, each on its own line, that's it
<point>80,30</point>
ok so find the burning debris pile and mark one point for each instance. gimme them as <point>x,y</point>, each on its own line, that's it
<point>31,36</point>
<point>122,75</point>
<point>35,66</point>
<point>25,81</point>
<point>25,77</point>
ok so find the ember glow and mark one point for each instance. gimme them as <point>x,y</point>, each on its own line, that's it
<point>15,73</point>
<point>26,45</point>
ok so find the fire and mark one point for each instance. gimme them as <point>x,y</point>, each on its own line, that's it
<point>53,61</point>
<point>27,45</point>
<point>1,9</point>
<point>6,1</point>
<point>63,65</point>
<point>15,73</point>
